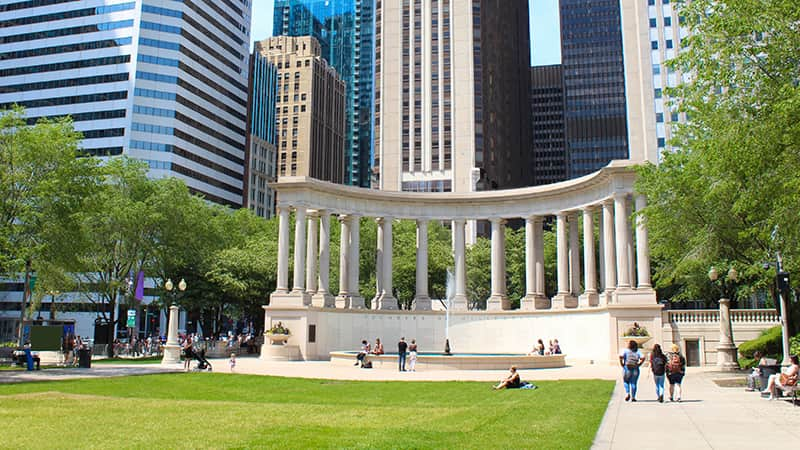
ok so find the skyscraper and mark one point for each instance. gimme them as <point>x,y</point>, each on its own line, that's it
<point>549,157</point>
<point>594,82</point>
<point>666,33</point>
<point>261,158</point>
<point>451,108</point>
<point>344,30</point>
<point>309,109</point>
<point>164,82</point>
<point>607,83</point>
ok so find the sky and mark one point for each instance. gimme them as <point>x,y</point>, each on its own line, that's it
<point>546,48</point>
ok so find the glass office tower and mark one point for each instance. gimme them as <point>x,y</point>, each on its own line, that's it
<point>594,84</point>
<point>161,81</point>
<point>345,31</point>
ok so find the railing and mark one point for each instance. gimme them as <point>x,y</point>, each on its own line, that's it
<point>703,316</point>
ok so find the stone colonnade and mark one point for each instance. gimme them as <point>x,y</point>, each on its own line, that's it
<point>604,198</point>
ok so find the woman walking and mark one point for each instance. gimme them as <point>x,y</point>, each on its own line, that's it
<point>658,364</point>
<point>630,359</point>
<point>676,369</point>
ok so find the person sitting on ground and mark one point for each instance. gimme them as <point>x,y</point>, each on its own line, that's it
<point>363,353</point>
<point>378,349</point>
<point>512,381</point>
<point>787,377</point>
<point>755,376</point>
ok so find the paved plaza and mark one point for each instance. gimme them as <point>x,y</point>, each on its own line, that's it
<point>709,417</point>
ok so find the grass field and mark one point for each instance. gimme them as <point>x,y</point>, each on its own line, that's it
<point>202,410</point>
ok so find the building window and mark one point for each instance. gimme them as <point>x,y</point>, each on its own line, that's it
<point>669,43</point>
<point>654,45</point>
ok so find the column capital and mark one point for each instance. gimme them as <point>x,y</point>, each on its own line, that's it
<point>499,220</point>
<point>312,213</point>
<point>459,221</point>
<point>620,195</point>
<point>534,219</point>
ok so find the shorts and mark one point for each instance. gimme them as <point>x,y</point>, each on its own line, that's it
<point>675,378</point>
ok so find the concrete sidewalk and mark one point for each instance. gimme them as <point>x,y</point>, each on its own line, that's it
<point>708,417</point>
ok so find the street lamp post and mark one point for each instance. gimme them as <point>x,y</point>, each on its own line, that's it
<point>782,285</point>
<point>172,350</point>
<point>726,350</point>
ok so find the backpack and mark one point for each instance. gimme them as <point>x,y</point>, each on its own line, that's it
<point>631,359</point>
<point>674,365</point>
<point>659,364</point>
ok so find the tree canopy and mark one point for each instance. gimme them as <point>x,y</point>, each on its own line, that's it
<point>727,194</point>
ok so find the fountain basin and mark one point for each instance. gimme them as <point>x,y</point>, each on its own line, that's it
<point>457,361</point>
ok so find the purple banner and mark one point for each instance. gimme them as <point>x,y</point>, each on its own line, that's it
<point>139,295</point>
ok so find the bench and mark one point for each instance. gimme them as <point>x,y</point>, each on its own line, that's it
<point>787,390</point>
<point>19,358</point>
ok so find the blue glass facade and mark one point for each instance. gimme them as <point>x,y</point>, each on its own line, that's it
<point>264,90</point>
<point>345,30</point>
<point>594,84</point>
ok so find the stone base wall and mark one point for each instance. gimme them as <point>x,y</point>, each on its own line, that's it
<point>585,334</point>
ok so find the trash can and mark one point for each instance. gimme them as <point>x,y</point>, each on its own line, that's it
<point>84,358</point>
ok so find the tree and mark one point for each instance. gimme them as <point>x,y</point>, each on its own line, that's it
<point>728,195</point>
<point>43,184</point>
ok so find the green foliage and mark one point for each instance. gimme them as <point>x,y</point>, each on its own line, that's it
<point>278,328</point>
<point>727,196</point>
<point>769,344</point>
<point>794,345</point>
<point>304,413</point>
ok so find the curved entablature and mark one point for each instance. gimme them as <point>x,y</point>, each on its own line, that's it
<point>616,178</point>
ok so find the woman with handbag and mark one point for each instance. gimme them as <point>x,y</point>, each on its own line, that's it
<point>787,377</point>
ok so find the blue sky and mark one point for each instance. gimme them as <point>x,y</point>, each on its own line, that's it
<point>546,48</point>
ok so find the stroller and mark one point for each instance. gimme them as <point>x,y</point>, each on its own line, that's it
<point>202,362</point>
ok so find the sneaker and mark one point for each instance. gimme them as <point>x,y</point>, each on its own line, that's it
<point>660,399</point>
<point>633,399</point>
<point>355,364</point>
<point>671,399</point>
<point>627,397</point>
<point>678,400</point>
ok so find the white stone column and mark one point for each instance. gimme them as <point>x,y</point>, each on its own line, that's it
<point>283,250</point>
<point>574,255</point>
<point>356,300</point>
<point>387,300</point>
<point>312,253</point>
<point>378,262</point>
<point>460,301</point>
<point>642,246</point>
<point>621,235</point>
<point>541,300</point>
<point>299,250</point>
<point>629,240</point>
<point>589,297</point>
<point>422,301</point>
<point>498,299</point>
<point>563,298</point>
<point>323,297</point>
<point>343,299</point>
<point>172,350</point>
<point>527,302</point>
<point>601,251</point>
<point>609,253</point>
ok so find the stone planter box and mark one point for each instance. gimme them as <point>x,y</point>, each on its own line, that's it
<point>277,339</point>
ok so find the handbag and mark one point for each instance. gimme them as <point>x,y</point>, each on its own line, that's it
<point>787,380</point>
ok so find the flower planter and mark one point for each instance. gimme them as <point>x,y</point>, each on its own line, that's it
<point>639,340</point>
<point>277,339</point>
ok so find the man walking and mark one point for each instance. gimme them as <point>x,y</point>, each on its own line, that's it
<point>401,353</point>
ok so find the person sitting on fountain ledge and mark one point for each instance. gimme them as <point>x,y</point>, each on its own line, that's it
<point>378,349</point>
<point>512,381</point>
<point>363,353</point>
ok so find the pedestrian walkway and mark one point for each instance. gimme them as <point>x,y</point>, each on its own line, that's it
<point>708,417</point>
<point>59,374</point>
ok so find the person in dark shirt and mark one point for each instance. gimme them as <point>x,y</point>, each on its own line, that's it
<point>401,354</point>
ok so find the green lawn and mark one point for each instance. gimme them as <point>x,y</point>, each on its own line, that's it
<point>203,410</point>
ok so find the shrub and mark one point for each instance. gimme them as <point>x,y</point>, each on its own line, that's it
<point>769,343</point>
<point>794,345</point>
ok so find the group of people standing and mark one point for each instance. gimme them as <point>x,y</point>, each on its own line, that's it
<point>670,366</point>
<point>405,351</point>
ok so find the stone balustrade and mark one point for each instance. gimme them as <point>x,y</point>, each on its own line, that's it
<point>711,316</point>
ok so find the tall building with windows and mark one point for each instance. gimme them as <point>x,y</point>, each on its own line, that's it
<point>309,109</point>
<point>161,81</point>
<point>666,31</point>
<point>261,157</point>
<point>451,104</point>
<point>549,157</point>
<point>345,32</point>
